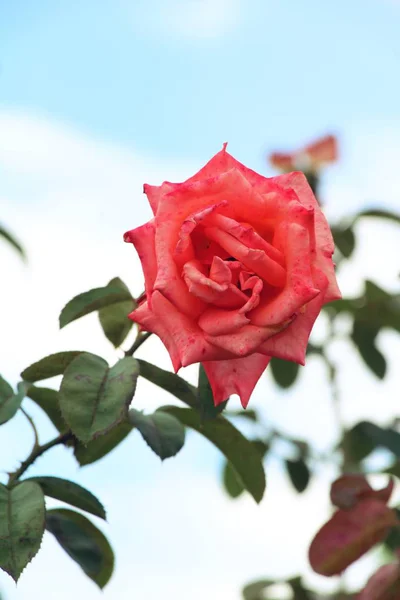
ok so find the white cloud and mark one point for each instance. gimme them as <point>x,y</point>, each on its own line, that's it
<point>188,19</point>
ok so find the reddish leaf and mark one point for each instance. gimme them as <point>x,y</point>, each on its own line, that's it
<point>383,585</point>
<point>349,534</point>
<point>349,489</point>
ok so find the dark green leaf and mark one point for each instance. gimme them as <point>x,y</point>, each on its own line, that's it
<point>21,526</point>
<point>232,483</point>
<point>364,336</point>
<point>169,382</point>
<point>83,542</point>
<point>255,590</point>
<point>87,454</point>
<point>71,493</point>
<point>93,397</point>
<point>50,366</point>
<point>237,449</point>
<point>358,443</point>
<point>299,474</point>
<point>91,301</point>
<point>299,591</point>
<point>205,397</point>
<point>48,401</point>
<point>344,239</point>
<point>370,436</point>
<point>249,414</point>
<point>231,480</point>
<point>162,432</point>
<point>114,319</point>
<point>10,402</point>
<point>5,234</point>
<point>284,372</point>
<point>380,214</point>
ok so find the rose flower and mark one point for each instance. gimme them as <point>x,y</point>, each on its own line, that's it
<point>310,158</point>
<point>237,267</point>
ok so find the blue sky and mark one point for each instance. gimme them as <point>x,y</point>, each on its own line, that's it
<point>97,98</point>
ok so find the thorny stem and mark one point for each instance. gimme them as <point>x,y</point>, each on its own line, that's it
<point>36,452</point>
<point>32,423</point>
<point>140,339</point>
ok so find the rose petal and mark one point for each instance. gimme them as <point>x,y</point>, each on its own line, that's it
<point>245,341</point>
<point>143,239</point>
<point>245,234</point>
<point>300,287</point>
<point>189,339</point>
<point>291,344</point>
<point>348,489</point>
<point>220,271</point>
<point>235,376</point>
<point>151,322</point>
<point>210,291</point>
<point>324,240</point>
<point>215,321</point>
<point>253,259</point>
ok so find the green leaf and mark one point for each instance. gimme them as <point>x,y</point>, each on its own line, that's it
<point>91,301</point>
<point>114,319</point>
<point>71,493</point>
<point>6,235</point>
<point>299,474</point>
<point>87,454</point>
<point>231,480</point>
<point>344,240</point>
<point>10,402</point>
<point>256,589</point>
<point>50,366</point>
<point>392,541</point>
<point>162,432</point>
<point>169,382</point>
<point>205,398</point>
<point>232,483</point>
<point>83,542</point>
<point>249,414</point>
<point>237,449</point>
<point>299,591</point>
<point>372,436</point>
<point>380,214</point>
<point>93,397</point>
<point>21,526</point>
<point>48,400</point>
<point>284,372</point>
<point>364,336</point>
<point>358,442</point>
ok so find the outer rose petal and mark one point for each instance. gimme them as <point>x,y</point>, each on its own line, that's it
<point>291,344</point>
<point>236,376</point>
<point>150,322</point>
<point>143,239</point>
<point>324,241</point>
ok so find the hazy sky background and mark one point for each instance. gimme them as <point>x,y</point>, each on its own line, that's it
<point>97,98</point>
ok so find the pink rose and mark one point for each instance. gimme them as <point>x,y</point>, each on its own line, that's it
<point>237,268</point>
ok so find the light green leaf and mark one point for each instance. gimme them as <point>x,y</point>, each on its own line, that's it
<point>71,493</point>
<point>21,526</point>
<point>162,432</point>
<point>93,397</point>
<point>83,542</point>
